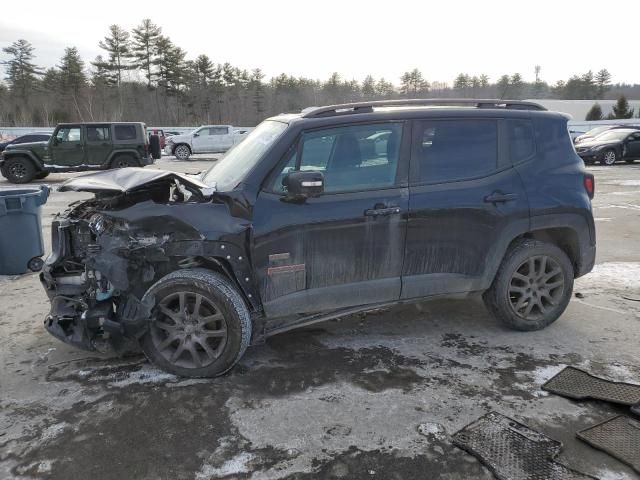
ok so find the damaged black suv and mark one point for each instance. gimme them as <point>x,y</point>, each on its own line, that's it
<point>315,215</point>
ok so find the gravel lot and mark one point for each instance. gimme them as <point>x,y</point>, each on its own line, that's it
<point>373,396</point>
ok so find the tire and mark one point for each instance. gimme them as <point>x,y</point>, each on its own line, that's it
<point>41,175</point>
<point>184,343</point>
<point>516,296</point>
<point>124,161</point>
<point>609,157</point>
<point>154,147</point>
<point>19,170</point>
<point>182,152</point>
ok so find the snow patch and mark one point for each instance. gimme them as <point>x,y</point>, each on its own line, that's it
<point>237,464</point>
<point>609,475</point>
<point>612,275</point>
<point>541,375</point>
<point>432,429</point>
<point>602,219</point>
<point>624,183</point>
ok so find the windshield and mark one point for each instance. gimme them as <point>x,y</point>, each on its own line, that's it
<point>230,170</point>
<point>612,135</point>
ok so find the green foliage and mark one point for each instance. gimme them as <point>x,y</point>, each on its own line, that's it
<point>621,109</point>
<point>594,113</point>
<point>144,47</point>
<point>116,44</point>
<point>22,73</point>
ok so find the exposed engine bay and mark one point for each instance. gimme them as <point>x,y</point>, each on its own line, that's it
<point>108,250</point>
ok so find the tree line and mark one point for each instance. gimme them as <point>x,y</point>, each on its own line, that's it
<point>144,76</point>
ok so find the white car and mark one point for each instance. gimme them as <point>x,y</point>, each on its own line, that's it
<point>205,139</point>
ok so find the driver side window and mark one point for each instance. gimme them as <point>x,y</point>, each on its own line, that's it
<point>68,134</point>
<point>352,158</point>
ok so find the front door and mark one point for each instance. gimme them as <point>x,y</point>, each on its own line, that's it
<point>633,146</point>
<point>98,144</point>
<point>467,201</point>
<point>202,140</point>
<point>345,247</point>
<point>67,148</point>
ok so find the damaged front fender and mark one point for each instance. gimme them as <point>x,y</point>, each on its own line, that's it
<point>107,252</point>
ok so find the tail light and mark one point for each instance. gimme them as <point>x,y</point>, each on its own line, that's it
<point>589,185</point>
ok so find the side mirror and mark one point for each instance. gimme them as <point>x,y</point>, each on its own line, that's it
<point>301,185</point>
<point>55,140</point>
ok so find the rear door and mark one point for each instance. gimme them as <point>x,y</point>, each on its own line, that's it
<point>466,203</point>
<point>222,139</point>
<point>98,144</point>
<point>345,247</point>
<point>67,149</point>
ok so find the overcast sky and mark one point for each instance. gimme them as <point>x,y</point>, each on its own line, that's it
<point>356,38</point>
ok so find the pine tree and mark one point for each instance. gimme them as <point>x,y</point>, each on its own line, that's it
<point>462,82</point>
<point>595,113</point>
<point>369,87</point>
<point>384,88</point>
<point>22,73</point>
<point>72,78</point>
<point>405,84</point>
<point>516,85</point>
<point>116,44</point>
<point>603,82</point>
<point>417,83</point>
<point>144,47</point>
<point>484,81</point>
<point>258,93</point>
<point>503,85</point>
<point>621,109</point>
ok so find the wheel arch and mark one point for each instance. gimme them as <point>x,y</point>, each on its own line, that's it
<point>23,154</point>
<point>173,149</point>
<point>118,153</point>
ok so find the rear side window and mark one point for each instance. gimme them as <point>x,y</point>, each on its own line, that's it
<point>452,150</point>
<point>97,134</point>
<point>522,143</point>
<point>125,132</point>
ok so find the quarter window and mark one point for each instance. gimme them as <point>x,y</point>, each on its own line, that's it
<point>125,132</point>
<point>451,150</point>
<point>521,140</point>
<point>361,157</point>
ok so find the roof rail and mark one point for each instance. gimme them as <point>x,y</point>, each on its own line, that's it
<point>366,107</point>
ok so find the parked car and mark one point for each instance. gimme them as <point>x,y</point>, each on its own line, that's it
<point>29,138</point>
<point>611,146</point>
<point>78,147</point>
<point>160,134</point>
<point>205,139</point>
<point>310,218</point>
<point>594,132</point>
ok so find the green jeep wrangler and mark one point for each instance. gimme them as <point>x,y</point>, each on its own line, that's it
<point>75,147</point>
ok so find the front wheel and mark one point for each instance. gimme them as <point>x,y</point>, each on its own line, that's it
<point>532,287</point>
<point>609,158</point>
<point>182,152</point>
<point>200,325</point>
<point>19,170</point>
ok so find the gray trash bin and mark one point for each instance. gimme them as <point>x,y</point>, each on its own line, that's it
<point>21,245</point>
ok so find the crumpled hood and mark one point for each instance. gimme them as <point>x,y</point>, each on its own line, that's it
<point>128,179</point>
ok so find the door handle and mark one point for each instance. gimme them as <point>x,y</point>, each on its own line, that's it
<point>381,209</point>
<point>497,197</point>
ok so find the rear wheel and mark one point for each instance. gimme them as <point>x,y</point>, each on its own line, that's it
<point>609,158</point>
<point>124,161</point>
<point>19,170</point>
<point>200,325</point>
<point>182,152</point>
<point>532,287</point>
